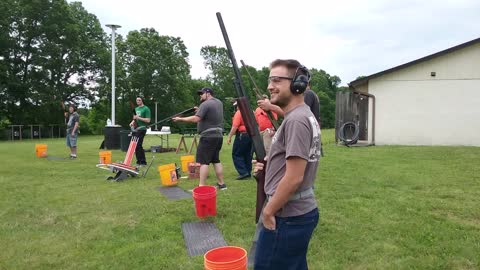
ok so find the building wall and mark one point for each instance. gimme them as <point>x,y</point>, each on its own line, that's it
<point>414,108</point>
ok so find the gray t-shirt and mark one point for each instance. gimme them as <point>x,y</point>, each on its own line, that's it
<point>298,136</point>
<point>72,119</point>
<point>211,113</point>
<point>312,100</point>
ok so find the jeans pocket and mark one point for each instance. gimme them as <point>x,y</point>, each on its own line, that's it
<point>268,230</point>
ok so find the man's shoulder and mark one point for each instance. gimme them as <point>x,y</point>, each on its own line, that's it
<point>301,112</point>
<point>216,100</point>
<point>310,93</point>
<point>212,102</point>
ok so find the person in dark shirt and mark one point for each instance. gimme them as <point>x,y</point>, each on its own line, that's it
<point>209,119</point>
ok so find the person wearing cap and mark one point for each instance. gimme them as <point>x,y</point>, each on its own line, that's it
<point>290,214</point>
<point>141,119</point>
<point>242,146</point>
<point>73,126</point>
<point>209,119</point>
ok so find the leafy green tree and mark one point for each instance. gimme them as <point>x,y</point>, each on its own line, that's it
<point>222,79</point>
<point>157,68</point>
<point>221,73</point>
<point>53,51</point>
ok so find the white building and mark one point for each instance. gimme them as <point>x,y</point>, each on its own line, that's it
<point>434,100</point>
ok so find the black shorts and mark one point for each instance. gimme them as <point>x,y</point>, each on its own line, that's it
<point>208,150</point>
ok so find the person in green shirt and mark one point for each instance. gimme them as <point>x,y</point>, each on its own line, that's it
<point>141,119</point>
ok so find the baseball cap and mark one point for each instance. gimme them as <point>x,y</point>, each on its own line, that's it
<point>205,90</point>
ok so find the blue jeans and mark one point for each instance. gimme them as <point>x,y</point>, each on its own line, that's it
<point>286,247</point>
<point>242,153</point>
<point>72,140</point>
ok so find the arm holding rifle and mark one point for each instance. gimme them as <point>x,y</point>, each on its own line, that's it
<point>265,105</point>
<point>188,119</point>
<point>260,96</point>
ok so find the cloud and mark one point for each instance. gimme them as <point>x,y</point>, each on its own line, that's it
<point>346,38</point>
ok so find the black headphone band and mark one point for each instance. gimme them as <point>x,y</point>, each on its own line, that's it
<point>300,81</point>
<point>304,69</point>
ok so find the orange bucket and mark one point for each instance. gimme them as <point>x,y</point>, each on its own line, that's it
<point>105,157</point>
<point>223,258</point>
<point>41,150</point>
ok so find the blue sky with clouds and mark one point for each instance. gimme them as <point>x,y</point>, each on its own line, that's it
<point>346,38</point>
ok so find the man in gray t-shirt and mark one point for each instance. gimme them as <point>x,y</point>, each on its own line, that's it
<point>290,214</point>
<point>209,119</point>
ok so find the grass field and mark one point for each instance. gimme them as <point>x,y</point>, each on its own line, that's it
<point>382,207</point>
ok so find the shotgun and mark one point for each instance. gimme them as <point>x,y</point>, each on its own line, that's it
<point>249,120</point>
<point>260,96</point>
<point>166,119</point>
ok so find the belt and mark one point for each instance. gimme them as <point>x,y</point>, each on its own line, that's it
<point>212,129</point>
<point>298,195</point>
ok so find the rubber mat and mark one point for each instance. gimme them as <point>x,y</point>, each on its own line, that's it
<point>200,237</point>
<point>174,193</point>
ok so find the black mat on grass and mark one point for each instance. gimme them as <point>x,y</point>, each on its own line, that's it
<point>200,237</point>
<point>174,193</point>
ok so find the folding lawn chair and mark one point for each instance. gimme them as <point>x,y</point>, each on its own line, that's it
<point>123,170</point>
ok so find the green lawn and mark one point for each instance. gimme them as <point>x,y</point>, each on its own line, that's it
<point>388,207</point>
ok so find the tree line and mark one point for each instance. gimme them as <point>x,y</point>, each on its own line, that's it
<point>53,52</point>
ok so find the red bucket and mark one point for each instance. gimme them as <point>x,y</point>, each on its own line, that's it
<point>223,258</point>
<point>205,198</point>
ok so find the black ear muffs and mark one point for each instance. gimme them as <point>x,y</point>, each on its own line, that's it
<point>300,81</point>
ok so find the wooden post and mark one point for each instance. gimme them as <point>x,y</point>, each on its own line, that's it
<point>194,143</point>
<point>182,140</point>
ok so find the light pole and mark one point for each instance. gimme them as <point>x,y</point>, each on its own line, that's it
<point>113,27</point>
<point>156,103</point>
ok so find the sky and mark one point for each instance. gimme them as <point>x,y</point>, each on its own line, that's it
<point>346,38</point>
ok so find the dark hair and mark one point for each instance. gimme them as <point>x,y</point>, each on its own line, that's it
<point>140,97</point>
<point>291,64</point>
<point>73,106</point>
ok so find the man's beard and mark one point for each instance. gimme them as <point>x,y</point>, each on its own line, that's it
<point>281,101</point>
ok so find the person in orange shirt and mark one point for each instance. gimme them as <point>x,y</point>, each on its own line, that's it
<point>242,151</point>
<point>266,127</point>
